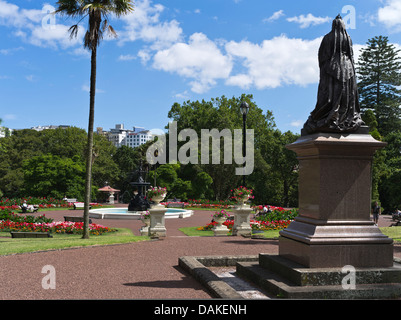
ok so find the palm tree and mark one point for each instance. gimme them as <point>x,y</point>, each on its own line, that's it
<point>98,12</point>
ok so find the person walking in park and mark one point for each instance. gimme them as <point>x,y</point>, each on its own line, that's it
<point>376,210</point>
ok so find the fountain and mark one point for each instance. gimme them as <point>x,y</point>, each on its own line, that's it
<point>139,201</point>
<point>137,205</point>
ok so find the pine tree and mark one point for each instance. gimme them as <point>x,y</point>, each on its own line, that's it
<point>379,76</point>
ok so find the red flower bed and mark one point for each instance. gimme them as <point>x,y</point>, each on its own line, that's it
<point>56,227</point>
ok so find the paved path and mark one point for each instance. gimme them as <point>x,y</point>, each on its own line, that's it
<point>144,270</point>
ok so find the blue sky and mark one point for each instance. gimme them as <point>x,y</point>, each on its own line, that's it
<point>173,51</point>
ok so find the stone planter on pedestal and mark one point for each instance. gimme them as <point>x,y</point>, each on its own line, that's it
<point>242,223</point>
<point>157,212</point>
<point>220,229</point>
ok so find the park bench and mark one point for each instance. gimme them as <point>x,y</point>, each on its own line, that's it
<point>16,234</point>
<point>80,205</point>
<point>75,219</point>
<point>176,205</point>
<point>71,200</point>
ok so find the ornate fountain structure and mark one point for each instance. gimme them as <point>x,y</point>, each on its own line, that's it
<point>139,201</point>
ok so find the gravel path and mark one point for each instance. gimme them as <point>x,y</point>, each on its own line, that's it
<point>144,270</point>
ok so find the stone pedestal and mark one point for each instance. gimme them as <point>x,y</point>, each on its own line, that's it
<point>157,221</point>
<point>333,228</point>
<point>242,224</point>
<point>111,198</point>
<point>220,229</point>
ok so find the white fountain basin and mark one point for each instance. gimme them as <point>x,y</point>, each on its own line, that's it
<point>121,213</point>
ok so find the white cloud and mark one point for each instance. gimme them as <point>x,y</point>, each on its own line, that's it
<point>200,60</point>
<point>28,26</point>
<point>308,20</point>
<point>275,62</point>
<point>275,16</point>
<point>145,55</point>
<point>10,51</point>
<point>144,24</point>
<point>55,37</point>
<point>30,78</point>
<point>297,123</point>
<point>390,14</point>
<point>184,95</point>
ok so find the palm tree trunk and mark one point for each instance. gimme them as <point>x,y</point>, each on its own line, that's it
<point>89,150</point>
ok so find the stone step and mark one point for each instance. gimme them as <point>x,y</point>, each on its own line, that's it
<point>280,287</point>
<point>303,276</point>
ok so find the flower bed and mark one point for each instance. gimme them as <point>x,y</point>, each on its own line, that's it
<point>207,204</point>
<point>229,224</point>
<point>55,227</point>
<point>278,219</point>
<point>40,202</point>
<point>10,221</point>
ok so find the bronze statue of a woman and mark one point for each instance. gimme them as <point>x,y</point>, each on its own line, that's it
<point>337,109</point>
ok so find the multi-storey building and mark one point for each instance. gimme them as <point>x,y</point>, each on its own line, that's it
<point>130,138</point>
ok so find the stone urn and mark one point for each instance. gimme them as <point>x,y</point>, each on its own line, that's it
<point>243,201</point>
<point>157,199</point>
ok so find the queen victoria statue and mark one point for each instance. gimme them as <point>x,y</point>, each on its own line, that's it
<point>337,109</point>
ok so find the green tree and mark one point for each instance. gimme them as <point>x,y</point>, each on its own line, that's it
<point>97,12</point>
<point>68,143</point>
<point>389,186</point>
<point>54,176</point>
<point>221,113</point>
<point>379,76</point>
<point>283,164</point>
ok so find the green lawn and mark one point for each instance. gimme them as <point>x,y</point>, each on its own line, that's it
<point>10,245</point>
<point>192,232</point>
<point>392,232</point>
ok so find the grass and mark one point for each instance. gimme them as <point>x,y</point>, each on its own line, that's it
<point>10,245</point>
<point>391,232</point>
<point>193,232</point>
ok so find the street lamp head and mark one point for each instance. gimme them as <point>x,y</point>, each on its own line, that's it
<point>244,108</point>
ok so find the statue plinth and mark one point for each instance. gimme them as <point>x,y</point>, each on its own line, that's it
<point>334,228</point>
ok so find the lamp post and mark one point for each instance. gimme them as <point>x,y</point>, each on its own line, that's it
<point>244,107</point>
